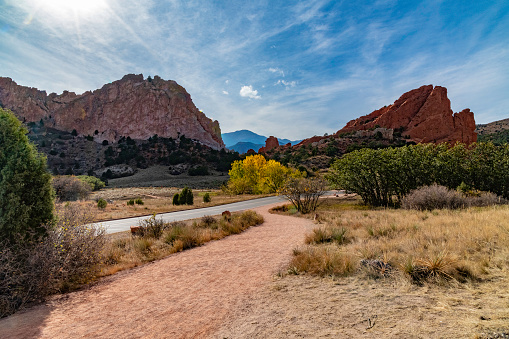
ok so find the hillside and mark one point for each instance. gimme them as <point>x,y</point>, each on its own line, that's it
<point>130,124</point>
<point>131,107</point>
<point>496,131</point>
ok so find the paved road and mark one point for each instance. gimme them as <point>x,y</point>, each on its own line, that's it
<point>120,225</point>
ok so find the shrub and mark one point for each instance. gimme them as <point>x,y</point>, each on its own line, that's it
<point>101,203</point>
<point>152,227</point>
<point>208,220</point>
<point>206,197</point>
<point>304,193</point>
<point>130,202</point>
<point>95,183</point>
<point>186,196</point>
<point>70,188</point>
<point>139,201</point>
<point>26,195</point>
<point>176,199</point>
<point>67,257</point>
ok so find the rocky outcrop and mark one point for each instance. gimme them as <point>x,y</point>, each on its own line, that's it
<point>270,144</point>
<point>133,106</point>
<point>424,115</point>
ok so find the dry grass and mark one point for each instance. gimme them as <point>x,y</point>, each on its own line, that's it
<point>125,251</point>
<point>439,246</point>
<point>155,200</point>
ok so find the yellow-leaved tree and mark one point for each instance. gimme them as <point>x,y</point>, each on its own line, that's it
<point>257,175</point>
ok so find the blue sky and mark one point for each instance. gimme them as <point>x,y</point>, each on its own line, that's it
<point>293,69</point>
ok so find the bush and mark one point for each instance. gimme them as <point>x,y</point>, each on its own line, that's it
<point>101,203</point>
<point>139,201</point>
<point>152,227</point>
<point>70,188</point>
<point>176,199</point>
<point>26,195</point>
<point>440,197</point>
<point>304,193</point>
<point>95,183</point>
<point>433,197</point>
<point>208,220</point>
<point>206,197</point>
<point>68,257</point>
<point>130,202</point>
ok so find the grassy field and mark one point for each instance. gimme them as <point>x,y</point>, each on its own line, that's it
<point>155,200</point>
<point>453,264</point>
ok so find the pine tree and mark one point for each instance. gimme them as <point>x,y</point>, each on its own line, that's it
<point>26,195</point>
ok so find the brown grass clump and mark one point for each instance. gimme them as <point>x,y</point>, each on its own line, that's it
<point>440,246</point>
<point>161,239</point>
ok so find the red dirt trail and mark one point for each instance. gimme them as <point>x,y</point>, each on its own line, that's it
<point>186,295</point>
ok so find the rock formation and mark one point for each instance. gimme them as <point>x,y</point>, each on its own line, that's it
<point>131,107</point>
<point>270,143</point>
<point>424,115</point>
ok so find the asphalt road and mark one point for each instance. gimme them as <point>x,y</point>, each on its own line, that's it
<point>120,225</point>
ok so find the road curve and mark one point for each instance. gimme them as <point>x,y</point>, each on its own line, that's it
<point>120,225</point>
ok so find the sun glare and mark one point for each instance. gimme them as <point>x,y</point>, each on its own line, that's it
<point>76,6</point>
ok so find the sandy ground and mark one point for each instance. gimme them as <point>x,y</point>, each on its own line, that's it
<point>359,307</point>
<point>186,295</point>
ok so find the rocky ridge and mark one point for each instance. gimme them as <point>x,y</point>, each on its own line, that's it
<point>133,106</point>
<point>424,115</point>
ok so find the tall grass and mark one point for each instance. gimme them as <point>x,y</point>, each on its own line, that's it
<point>439,245</point>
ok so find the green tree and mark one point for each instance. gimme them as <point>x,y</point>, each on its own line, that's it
<point>26,195</point>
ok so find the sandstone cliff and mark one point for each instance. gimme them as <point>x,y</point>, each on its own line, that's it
<point>424,115</point>
<point>270,144</point>
<point>133,106</point>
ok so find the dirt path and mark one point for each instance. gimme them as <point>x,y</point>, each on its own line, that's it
<point>186,295</point>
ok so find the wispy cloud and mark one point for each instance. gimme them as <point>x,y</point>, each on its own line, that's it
<point>317,64</point>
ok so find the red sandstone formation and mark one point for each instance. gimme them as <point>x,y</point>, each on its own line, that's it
<point>424,114</point>
<point>270,143</point>
<point>131,107</point>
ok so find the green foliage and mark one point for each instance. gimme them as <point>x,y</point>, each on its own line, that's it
<point>498,138</point>
<point>206,197</point>
<point>130,202</point>
<point>139,201</point>
<point>176,199</point>
<point>26,195</point>
<point>184,198</point>
<point>101,203</point>
<point>95,183</point>
<point>382,177</point>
